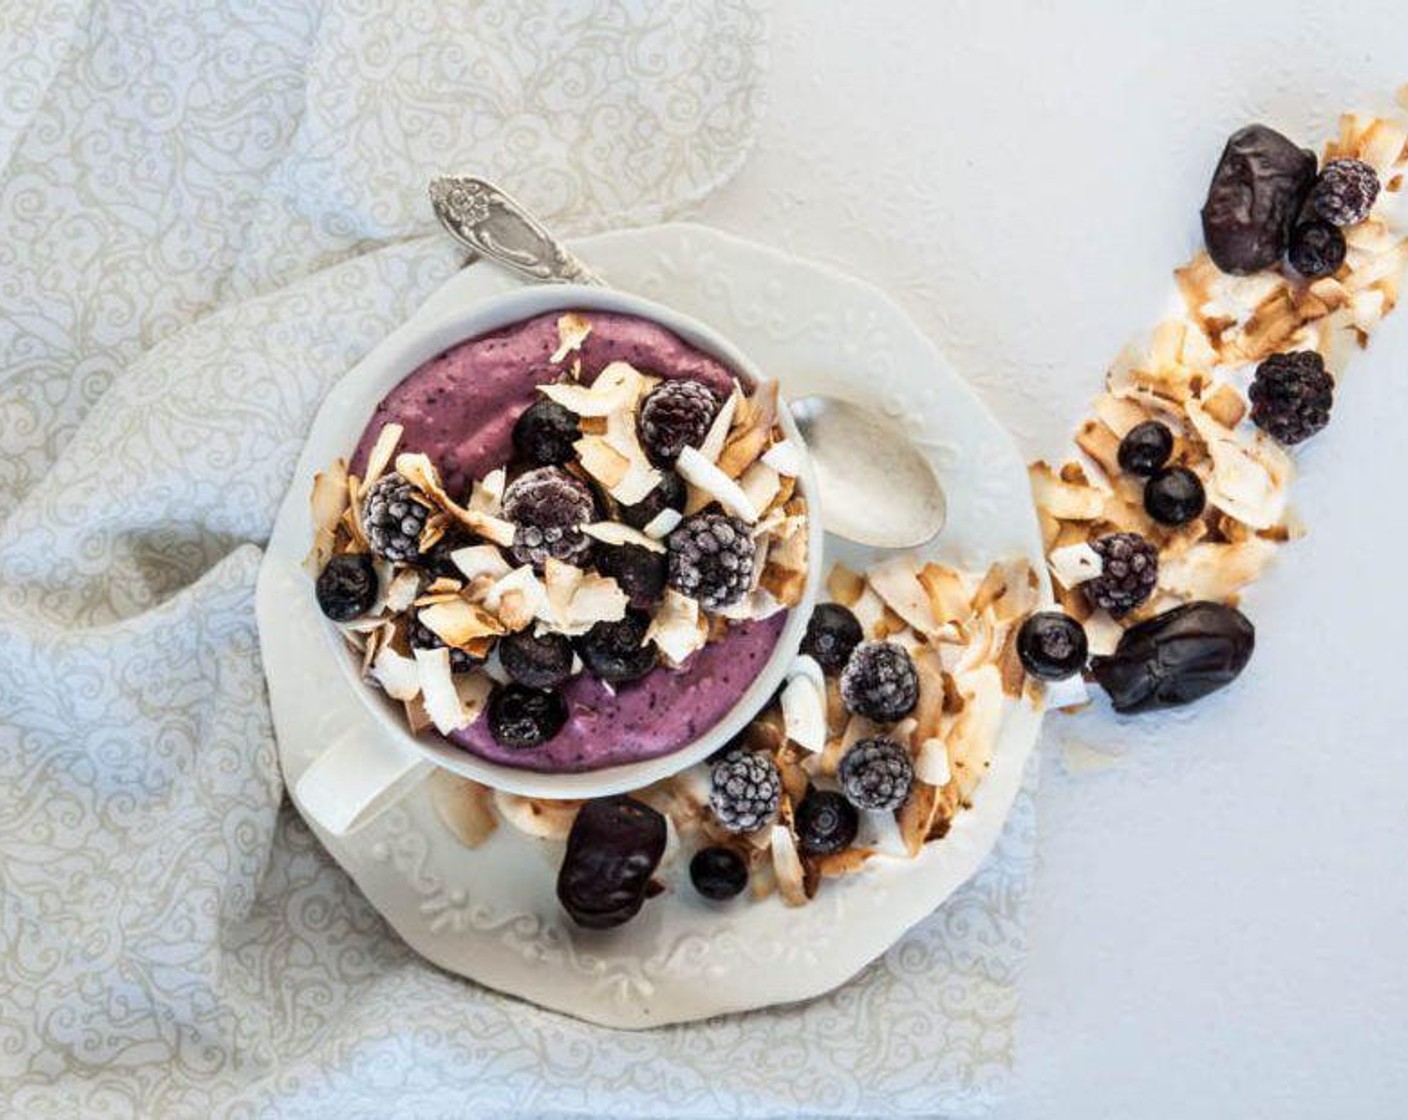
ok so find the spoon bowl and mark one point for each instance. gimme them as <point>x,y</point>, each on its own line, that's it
<point>874,485</point>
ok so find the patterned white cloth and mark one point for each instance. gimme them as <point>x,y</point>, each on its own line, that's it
<point>208,212</point>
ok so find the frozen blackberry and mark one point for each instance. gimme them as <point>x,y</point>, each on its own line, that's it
<point>1345,191</point>
<point>876,774</point>
<point>832,633</point>
<point>669,493</point>
<point>745,789</point>
<point>1131,569</point>
<point>718,873</point>
<point>541,661</point>
<point>826,823</point>
<point>617,652</point>
<point>523,718</point>
<point>1052,646</point>
<point>1317,249</point>
<point>673,416</point>
<point>347,587</point>
<point>544,434</point>
<point>711,559</point>
<point>1175,496</point>
<point>548,508</point>
<point>421,636</point>
<point>1145,448</point>
<point>879,682</point>
<point>394,513</point>
<point>1292,395</point>
<point>639,571</point>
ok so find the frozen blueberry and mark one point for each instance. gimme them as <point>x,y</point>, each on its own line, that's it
<point>537,661</point>
<point>523,718</point>
<point>347,587</point>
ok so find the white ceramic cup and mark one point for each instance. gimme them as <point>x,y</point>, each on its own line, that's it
<point>349,783</point>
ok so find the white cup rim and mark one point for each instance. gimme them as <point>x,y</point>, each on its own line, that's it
<point>403,353</point>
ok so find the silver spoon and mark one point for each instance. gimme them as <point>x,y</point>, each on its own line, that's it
<point>877,488</point>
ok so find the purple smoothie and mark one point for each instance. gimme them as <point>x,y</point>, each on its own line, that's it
<point>459,409</point>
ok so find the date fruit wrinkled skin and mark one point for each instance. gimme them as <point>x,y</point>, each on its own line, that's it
<point>1256,194</point>
<point>1176,657</point>
<point>612,851</point>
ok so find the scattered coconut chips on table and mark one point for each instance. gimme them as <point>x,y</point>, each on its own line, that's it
<point>1191,373</point>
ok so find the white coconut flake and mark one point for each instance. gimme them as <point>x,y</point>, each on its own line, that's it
<point>804,712</point>
<point>488,494</point>
<point>1074,564</point>
<point>787,865</point>
<point>896,581</point>
<point>931,763</point>
<point>532,601</point>
<point>398,676</point>
<point>615,533</point>
<point>615,389</point>
<point>712,446</point>
<point>699,472</point>
<point>402,591</point>
<point>438,693</point>
<point>880,831</point>
<point>663,524</point>
<point>677,629</point>
<point>1102,633</point>
<point>473,692</point>
<point>386,442</point>
<point>760,483</point>
<point>785,457</point>
<point>1069,693</point>
<point>480,560</point>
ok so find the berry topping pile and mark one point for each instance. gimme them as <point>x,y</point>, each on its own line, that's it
<point>584,558</point>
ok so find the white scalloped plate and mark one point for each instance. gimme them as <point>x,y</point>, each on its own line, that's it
<point>489,913</point>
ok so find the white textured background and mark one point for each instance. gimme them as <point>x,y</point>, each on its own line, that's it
<point>1220,921</point>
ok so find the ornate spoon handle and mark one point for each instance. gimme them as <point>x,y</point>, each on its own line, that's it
<point>480,215</point>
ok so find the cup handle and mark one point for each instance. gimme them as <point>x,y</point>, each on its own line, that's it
<point>356,779</point>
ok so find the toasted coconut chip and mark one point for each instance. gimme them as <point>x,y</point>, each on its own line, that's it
<point>929,711</point>
<point>846,586</point>
<point>1225,405</point>
<point>488,494</point>
<point>839,864</point>
<point>858,728</point>
<point>443,584</point>
<point>804,706</point>
<point>1119,414</point>
<point>1074,564</point>
<point>387,440</point>
<point>1216,571</point>
<point>752,433</point>
<point>616,533</point>
<point>327,505</point>
<point>1009,665</point>
<point>1102,445</point>
<point>1102,633</point>
<point>420,472</point>
<point>1250,473</point>
<point>473,691</point>
<point>416,716</point>
<point>463,806</point>
<point>572,331</point>
<point>663,524</point>
<point>945,590</point>
<point>458,623</point>
<point>677,628</point>
<point>518,598</point>
<point>973,732</point>
<point>785,457</point>
<point>787,866</point>
<point>402,591</point>
<point>785,586</point>
<point>641,477</point>
<point>897,582</point>
<point>1065,500</point>
<point>869,610</point>
<point>719,486</point>
<point>712,446</point>
<point>532,816</point>
<point>398,675</point>
<point>437,689</point>
<point>616,389</point>
<point>916,816</point>
<point>993,587</point>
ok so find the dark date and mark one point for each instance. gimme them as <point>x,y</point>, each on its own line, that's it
<point>612,851</point>
<point>1256,194</point>
<point>1176,658</point>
